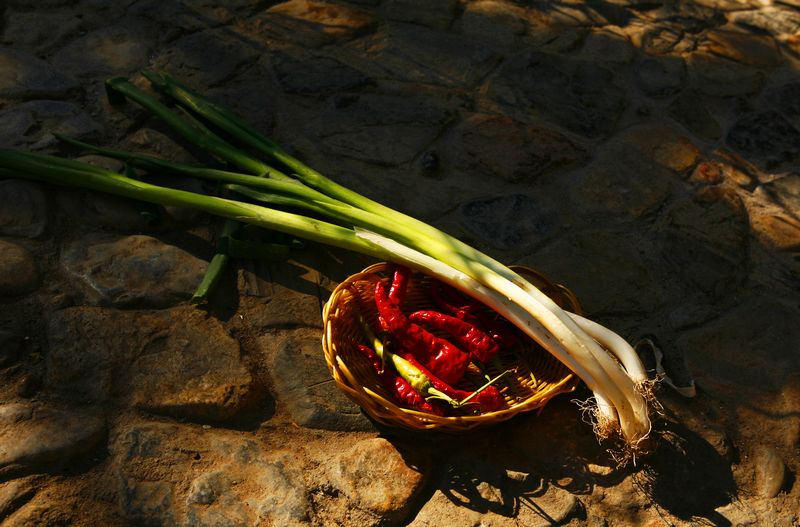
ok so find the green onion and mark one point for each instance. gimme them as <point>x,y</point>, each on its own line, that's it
<point>300,201</point>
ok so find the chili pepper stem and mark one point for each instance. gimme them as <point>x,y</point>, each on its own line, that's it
<point>479,390</point>
<point>437,395</point>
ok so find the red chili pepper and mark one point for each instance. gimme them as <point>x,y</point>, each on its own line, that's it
<point>397,386</point>
<point>469,310</point>
<point>445,298</point>
<point>488,399</point>
<point>438,355</point>
<point>397,291</point>
<point>470,337</point>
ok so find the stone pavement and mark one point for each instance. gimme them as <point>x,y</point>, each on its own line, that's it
<point>643,152</point>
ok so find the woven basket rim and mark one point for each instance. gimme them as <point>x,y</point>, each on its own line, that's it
<point>380,406</point>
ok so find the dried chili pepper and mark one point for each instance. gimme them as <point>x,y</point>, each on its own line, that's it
<point>470,337</point>
<point>488,398</point>
<point>462,307</point>
<point>445,299</point>
<point>397,291</point>
<point>438,355</point>
<point>400,388</point>
<point>424,383</point>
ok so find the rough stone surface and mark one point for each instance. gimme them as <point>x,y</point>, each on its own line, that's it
<point>661,77</point>
<point>535,152</point>
<point>786,102</point>
<point>786,191</point>
<point>11,347</point>
<point>392,130</point>
<point>13,494</point>
<point>622,183</point>
<point>706,240</point>
<point>393,484</point>
<point>766,136</point>
<point>42,32</point>
<point>415,54</point>
<point>32,124</point>
<point>299,374</point>
<point>770,471</point>
<point>579,95</point>
<point>23,209</point>
<point>779,231</point>
<point>175,362</point>
<point>755,50</point>
<point>190,55</point>
<point>644,153</point>
<point>35,437</point>
<point>105,52</point>
<point>429,14</point>
<point>499,24</point>
<point>19,272</point>
<point>511,222</point>
<point>477,493</point>
<point>776,20</point>
<point>753,336</point>
<point>608,45</point>
<point>312,23</point>
<point>26,77</point>
<point>689,109</point>
<point>721,77</point>
<point>664,146</point>
<point>627,285</point>
<point>234,480</point>
<point>134,271</point>
<point>307,73</point>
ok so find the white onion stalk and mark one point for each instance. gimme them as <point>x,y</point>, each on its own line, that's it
<point>617,345</point>
<point>616,404</point>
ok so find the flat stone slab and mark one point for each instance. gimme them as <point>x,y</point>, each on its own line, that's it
<point>412,53</point>
<point>381,129</point>
<point>31,125</point>
<point>706,240</point>
<point>311,23</point>
<point>19,272</point>
<point>24,76</point>
<point>189,56</point>
<point>213,477</point>
<point>578,95</point>
<point>477,493</point>
<point>177,362</point>
<point>514,222</point>
<point>132,271</point>
<point>500,146</point>
<point>304,385</point>
<point>39,438</point>
<point>115,50</point>
<point>23,209</point>
<point>767,136</point>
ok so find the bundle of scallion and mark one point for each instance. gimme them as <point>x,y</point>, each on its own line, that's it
<point>603,360</point>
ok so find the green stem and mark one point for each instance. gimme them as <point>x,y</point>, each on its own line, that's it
<point>288,186</point>
<point>51,169</point>
<point>200,136</point>
<point>216,266</point>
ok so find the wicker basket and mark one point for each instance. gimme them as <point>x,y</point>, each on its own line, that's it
<point>537,375</point>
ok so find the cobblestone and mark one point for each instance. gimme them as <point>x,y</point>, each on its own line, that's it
<point>643,153</point>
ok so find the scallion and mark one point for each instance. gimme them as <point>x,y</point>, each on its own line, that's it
<point>300,201</point>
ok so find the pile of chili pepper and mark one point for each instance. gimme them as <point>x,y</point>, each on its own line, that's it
<point>421,369</point>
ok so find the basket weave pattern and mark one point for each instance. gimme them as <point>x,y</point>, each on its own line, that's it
<point>535,378</point>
